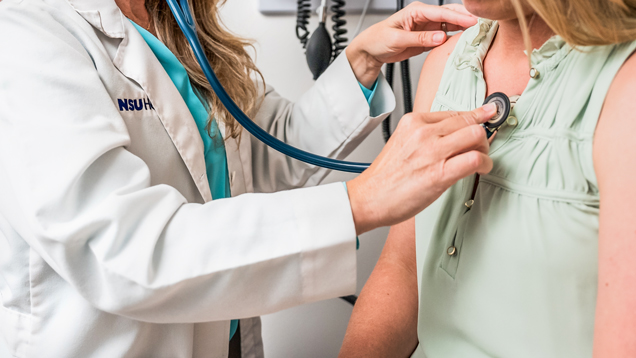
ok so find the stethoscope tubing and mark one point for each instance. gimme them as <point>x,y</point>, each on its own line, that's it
<point>181,12</point>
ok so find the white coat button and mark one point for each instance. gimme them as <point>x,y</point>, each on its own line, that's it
<point>512,121</point>
<point>451,251</point>
<point>469,203</point>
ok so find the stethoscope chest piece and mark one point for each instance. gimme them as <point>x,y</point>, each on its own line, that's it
<point>503,110</point>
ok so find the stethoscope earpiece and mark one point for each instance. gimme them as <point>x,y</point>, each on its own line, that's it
<point>503,110</point>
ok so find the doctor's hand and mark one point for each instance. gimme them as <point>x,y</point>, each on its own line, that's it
<point>408,32</point>
<point>427,154</point>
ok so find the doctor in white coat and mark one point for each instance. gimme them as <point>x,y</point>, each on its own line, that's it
<point>110,242</point>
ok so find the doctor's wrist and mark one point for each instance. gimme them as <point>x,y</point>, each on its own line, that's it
<point>365,67</point>
<point>365,217</point>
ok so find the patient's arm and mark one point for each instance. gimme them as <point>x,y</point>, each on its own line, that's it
<point>615,165</point>
<point>384,319</point>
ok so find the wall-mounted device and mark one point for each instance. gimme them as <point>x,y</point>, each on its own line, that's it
<point>319,49</point>
<point>288,7</point>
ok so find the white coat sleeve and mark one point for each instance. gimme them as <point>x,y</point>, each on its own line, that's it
<point>331,119</point>
<point>70,188</point>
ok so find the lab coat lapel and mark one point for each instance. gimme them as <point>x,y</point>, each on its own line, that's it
<point>136,61</point>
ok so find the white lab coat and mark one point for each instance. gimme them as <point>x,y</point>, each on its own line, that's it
<point>106,246</point>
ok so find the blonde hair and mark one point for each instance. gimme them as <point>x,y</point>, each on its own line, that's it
<point>583,22</point>
<point>227,54</point>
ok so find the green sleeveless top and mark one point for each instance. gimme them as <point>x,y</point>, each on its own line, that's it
<point>514,272</point>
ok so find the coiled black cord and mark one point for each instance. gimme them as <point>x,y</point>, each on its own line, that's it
<point>406,93</point>
<point>339,41</point>
<point>302,20</point>
<point>406,77</point>
<point>386,123</point>
<point>406,85</point>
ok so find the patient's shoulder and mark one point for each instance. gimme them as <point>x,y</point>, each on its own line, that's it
<point>613,139</point>
<point>619,106</point>
<point>432,72</point>
<point>438,56</point>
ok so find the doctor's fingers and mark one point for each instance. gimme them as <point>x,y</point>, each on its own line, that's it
<point>457,122</point>
<point>418,17</point>
<point>465,164</point>
<point>416,42</point>
<point>471,138</point>
<point>447,122</point>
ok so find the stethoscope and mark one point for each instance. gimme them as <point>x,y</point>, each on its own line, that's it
<point>503,110</point>
<point>181,11</point>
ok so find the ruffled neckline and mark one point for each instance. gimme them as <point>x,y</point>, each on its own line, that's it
<point>474,52</point>
<point>555,47</point>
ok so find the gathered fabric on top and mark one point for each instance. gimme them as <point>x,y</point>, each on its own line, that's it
<point>513,273</point>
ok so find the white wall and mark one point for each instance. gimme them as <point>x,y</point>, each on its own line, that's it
<point>317,329</point>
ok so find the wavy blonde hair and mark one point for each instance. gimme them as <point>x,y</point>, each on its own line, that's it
<point>583,22</point>
<point>227,54</point>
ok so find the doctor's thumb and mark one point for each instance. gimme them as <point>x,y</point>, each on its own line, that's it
<point>422,39</point>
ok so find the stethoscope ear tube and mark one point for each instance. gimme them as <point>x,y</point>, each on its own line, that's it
<point>181,11</point>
